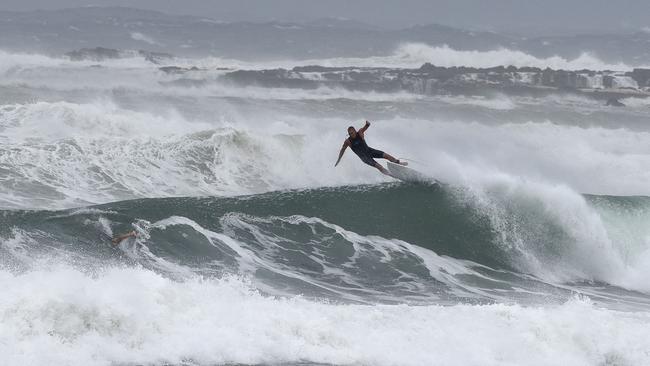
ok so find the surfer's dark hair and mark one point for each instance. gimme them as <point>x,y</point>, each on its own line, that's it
<point>352,127</point>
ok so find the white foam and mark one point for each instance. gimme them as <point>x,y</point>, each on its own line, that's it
<point>144,38</point>
<point>124,316</point>
<point>94,153</point>
<point>413,55</point>
<point>636,102</point>
<point>103,118</point>
<point>318,94</point>
<point>499,103</point>
<point>592,160</point>
<point>11,62</point>
<point>448,57</point>
<point>292,152</point>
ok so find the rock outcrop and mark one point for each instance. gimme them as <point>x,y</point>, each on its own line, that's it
<point>431,79</point>
<point>102,53</point>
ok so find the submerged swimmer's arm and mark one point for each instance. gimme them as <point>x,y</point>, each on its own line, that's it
<point>345,146</point>
<point>118,239</point>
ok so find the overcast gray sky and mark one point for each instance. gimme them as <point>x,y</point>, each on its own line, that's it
<point>550,16</point>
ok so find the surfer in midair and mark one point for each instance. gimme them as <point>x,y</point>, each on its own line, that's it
<point>357,142</point>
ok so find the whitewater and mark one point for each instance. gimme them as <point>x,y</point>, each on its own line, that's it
<point>252,248</point>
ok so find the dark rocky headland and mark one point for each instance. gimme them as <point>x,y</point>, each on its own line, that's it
<point>434,80</point>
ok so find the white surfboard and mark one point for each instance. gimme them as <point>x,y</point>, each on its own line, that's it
<point>407,174</point>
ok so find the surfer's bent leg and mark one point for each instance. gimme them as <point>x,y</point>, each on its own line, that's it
<point>391,159</point>
<point>378,154</point>
<point>382,169</point>
<point>370,161</point>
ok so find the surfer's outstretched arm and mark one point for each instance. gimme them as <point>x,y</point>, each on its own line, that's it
<point>364,128</point>
<point>118,239</point>
<point>345,146</point>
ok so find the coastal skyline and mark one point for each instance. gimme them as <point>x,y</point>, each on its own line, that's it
<point>525,17</point>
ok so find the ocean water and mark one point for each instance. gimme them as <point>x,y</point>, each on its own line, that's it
<point>252,248</point>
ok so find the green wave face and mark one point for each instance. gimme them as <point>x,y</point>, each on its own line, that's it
<point>387,243</point>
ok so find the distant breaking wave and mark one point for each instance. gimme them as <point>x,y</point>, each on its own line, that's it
<point>409,55</point>
<point>413,55</point>
<point>449,57</point>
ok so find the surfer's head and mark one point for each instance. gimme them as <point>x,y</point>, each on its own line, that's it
<point>352,132</point>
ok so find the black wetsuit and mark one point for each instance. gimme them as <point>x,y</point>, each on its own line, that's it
<point>366,153</point>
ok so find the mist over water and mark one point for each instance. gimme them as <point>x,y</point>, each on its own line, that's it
<point>252,248</point>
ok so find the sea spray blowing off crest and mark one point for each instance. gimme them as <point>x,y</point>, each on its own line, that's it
<point>559,235</point>
<point>111,149</point>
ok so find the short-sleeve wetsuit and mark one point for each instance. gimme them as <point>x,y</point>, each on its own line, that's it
<point>366,153</point>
